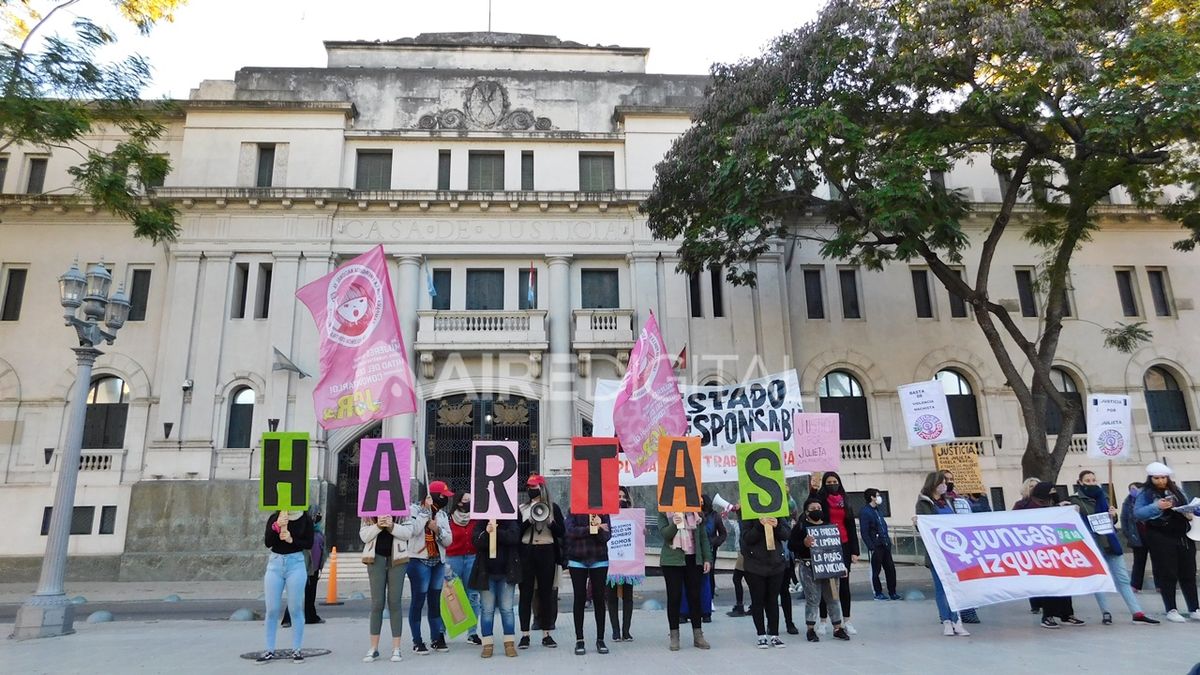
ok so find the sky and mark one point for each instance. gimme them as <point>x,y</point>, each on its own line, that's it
<point>211,39</point>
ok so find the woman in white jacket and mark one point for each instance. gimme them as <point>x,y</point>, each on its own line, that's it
<point>385,553</point>
<point>427,569</point>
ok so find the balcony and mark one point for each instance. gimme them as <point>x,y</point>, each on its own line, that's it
<point>480,331</point>
<point>1078,444</point>
<point>1174,441</point>
<point>608,330</point>
<point>867,448</point>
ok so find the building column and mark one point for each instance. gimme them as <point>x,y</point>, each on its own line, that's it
<point>561,373</point>
<point>408,298</point>
<point>183,278</point>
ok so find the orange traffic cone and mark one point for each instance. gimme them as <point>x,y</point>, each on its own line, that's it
<point>331,594</point>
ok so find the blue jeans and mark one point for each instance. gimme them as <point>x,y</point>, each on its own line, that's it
<point>499,594</point>
<point>425,583</point>
<point>285,571</point>
<point>461,566</point>
<point>1120,577</point>
<point>939,596</point>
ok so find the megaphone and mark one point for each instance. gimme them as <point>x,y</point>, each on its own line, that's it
<point>719,502</point>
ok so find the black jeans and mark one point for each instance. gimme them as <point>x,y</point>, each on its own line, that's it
<point>738,591</point>
<point>881,559</point>
<point>1174,561</point>
<point>310,601</point>
<point>612,598</point>
<point>1059,607</point>
<point>764,601</point>
<point>1138,574</point>
<point>843,588</point>
<point>579,584</point>
<point>785,595</point>
<point>683,579</point>
<point>538,564</point>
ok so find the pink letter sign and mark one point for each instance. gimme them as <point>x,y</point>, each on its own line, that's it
<point>494,480</point>
<point>818,442</point>
<point>384,472</point>
<point>627,546</point>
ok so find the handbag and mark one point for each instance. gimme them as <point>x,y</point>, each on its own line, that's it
<point>457,614</point>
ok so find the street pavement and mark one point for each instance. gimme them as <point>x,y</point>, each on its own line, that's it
<point>894,637</point>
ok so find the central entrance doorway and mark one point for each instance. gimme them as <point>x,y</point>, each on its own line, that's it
<point>452,423</point>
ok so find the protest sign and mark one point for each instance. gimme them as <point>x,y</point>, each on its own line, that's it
<point>384,474</point>
<point>1109,426</point>
<point>818,443</point>
<point>760,480</point>
<point>827,561</point>
<point>364,367</point>
<point>926,414</point>
<point>594,469</point>
<point>722,416</point>
<point>679,474</point>
<point>646,406</point>
<point>985,558</point>
<point>283,475</point>
<point>627,545</point>
<point>494,480</point>
<point>962,461</point>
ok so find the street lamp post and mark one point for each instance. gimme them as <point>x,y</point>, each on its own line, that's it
<point>48,612</point>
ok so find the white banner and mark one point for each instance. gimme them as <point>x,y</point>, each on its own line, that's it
<point>926,415</point>
<point>985,558</point>
<point>1110,426</point>
<point>722,417</point>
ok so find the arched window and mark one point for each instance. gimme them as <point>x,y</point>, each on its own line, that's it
<point>107,408</point>
<point>1164,400</point>
<point>241,417</point>
<point>964,409</point>
<point>839,392</point>
<point>1065,384</point>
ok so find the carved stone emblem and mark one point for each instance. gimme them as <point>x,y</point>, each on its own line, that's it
<point>485,106</point>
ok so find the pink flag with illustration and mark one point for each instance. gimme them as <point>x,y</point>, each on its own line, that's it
<point>648,404</point>
<point>364,368</point>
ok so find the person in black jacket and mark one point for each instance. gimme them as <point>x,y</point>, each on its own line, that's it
<point>838,512</point>
<point>288,535</point>
<point>496,580</point>
<point>874,531</point>
<point>816,591</point>
<point>764,569</point>
<point>587,556</point>
<point>541,543</point>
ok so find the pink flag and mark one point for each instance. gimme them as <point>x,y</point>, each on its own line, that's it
<point>364,369</point>
<point>648,404</point>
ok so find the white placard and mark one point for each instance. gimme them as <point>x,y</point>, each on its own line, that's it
<point>1101,523</point>
<point>926,414</point>
<point>1110,426</point>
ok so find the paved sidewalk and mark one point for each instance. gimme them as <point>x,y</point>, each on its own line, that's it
<point>894,637</point>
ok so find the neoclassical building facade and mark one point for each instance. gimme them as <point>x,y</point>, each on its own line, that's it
<point>502,174</point>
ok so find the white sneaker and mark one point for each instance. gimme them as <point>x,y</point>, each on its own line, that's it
<point>948,628</point>
<point>372,656</point>
<point>763,643</point>
<point>1194,616</point>
<point>1175,617</point>
<point>822,628</point>
<point>396,658</point>
<point>849,628</point>
<point>959,630</point>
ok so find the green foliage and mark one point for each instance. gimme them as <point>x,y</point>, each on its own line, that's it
<point>57,92</point>
<point>1126,338</point>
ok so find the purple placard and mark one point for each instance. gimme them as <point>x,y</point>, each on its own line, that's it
<point>378,458</point>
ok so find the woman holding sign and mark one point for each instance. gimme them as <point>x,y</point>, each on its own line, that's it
<point>1171,551</point>
<point>541,533</point>
<point>288,535</point>
<point>385,553</point>
<point>685,558</point>
<point>621,588</point>
<point>816,591</point>
<point>495,578</point>
<point>931,502</point>
<point>837,509</point>
<point>765,566</point>
<point>587,561</point>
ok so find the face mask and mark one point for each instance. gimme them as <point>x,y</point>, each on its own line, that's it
<point>534,493</point>
<point>440,501</point>
<point>878,500</point>
<point>832,487</point>
<point>949,487</point>
<point>1133,492</point>
<point>1093,491</point>
<point>463,507</point>
<point>816,515</point>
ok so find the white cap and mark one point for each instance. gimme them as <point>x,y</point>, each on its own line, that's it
<point>1158,469</point>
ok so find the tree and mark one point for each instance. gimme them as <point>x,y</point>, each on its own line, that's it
<point>1069,98</point>
<point>56,92</point>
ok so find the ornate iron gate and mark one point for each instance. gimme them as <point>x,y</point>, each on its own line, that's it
<point>452,423</point>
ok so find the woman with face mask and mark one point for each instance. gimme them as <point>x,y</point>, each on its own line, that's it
<point>385,553</point>
<point>460,555</point>
<point>288,535</point>
<point>542,535</point>
<point>1171,551</point>
<point>621,588</point>
<point>932,501</point>
<point>837,509</point>
<point>874,531</point>
<point>816,590</point>
<point>1092,503</point>
<point>1134,532</point>
<point>426,569</point>
<point>1056,610</point>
